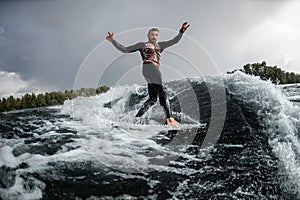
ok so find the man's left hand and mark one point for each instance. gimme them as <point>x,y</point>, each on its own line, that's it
<point>185,25</point>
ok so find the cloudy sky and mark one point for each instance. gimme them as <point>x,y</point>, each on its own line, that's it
<point>44,44</point>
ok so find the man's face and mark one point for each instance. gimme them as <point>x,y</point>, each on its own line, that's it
<point>153,36</point>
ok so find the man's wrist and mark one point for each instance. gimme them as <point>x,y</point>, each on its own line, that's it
<point>181,31</point>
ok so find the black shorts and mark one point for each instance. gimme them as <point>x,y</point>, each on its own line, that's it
<point>152,73</point>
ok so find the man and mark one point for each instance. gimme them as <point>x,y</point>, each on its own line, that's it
<point>151,53</point>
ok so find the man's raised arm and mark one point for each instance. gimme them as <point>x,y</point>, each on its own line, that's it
<point>166,44</point>
<point>122,48</point>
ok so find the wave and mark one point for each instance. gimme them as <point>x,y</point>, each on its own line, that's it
<point>96,142</point>
<point>280,119</point>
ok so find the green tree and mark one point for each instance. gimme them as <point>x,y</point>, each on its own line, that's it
<point>33,100</point>
<point>10,103</point>
<point>4,107</point>
<point>274,74</point>
<point>18,104</point>
<point>41,100</point>
<point>47,99</point>
<point>102,89</point>
<point>1,106</point>
<point>26,101</point>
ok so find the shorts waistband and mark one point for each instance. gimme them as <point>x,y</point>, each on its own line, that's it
<point>152,62</point>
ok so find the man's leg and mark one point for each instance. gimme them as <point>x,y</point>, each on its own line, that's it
<point>152,91</point>
<point>153,75</point>
<point>163,100</point>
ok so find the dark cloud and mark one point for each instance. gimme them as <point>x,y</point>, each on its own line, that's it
<point>48,40</point>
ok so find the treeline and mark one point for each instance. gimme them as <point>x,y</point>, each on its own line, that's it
<point>273,73</point>
<point>48,99</point>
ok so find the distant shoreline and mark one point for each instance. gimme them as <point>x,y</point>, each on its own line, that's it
<point>30,101</point>
<point>272,73</point>
<point>27,101</point>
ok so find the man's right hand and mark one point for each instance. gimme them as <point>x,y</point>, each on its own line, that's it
<point>110,36</point>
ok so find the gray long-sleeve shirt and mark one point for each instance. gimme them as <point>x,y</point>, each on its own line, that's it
<point>150,52</point>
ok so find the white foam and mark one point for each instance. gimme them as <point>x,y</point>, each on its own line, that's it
<point>23,189</point>
<point>110,135</point>
<point>280,116</point>
<point>7,158</point>
<point>294,98</point>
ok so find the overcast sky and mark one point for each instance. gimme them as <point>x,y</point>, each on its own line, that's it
<point>43,43</point>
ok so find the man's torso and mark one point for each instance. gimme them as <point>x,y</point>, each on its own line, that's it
<point>151,53</point>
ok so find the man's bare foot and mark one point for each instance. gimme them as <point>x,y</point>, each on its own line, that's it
<point>172,121</point>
